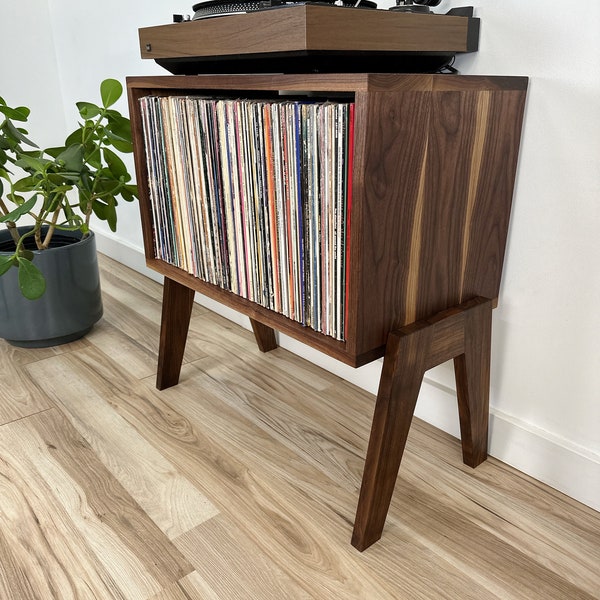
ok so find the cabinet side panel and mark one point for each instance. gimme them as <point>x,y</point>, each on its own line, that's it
<point>439,172</point>
<point>486,233</point>
<point>454,151</point>
<point>386,211</point>
<point>141,170</point>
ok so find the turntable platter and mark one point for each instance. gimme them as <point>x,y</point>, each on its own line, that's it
<point>221,8</point>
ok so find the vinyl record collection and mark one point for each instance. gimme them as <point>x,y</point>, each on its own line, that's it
<point>254,196</point>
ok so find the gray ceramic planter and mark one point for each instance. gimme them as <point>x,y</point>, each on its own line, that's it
<point>72,302</point>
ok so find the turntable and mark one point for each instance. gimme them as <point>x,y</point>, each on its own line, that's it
<point>289,36</point>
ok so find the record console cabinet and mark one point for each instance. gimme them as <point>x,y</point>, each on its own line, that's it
<point>434,164</point>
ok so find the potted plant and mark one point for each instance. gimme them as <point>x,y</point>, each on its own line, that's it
<point>49,283</point>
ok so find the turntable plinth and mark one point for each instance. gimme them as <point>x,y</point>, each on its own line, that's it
<point>308,37</point>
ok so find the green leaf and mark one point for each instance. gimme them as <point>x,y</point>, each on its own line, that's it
<point>115,164</point>
<point>105,210</point>
<point>26,184</point>
<point>18,134</point>
<point>84,199</point>
<point>93,158</point>
<point>86,182</point>
<point>63,180</point>
<point>21,113</point>
<point>107,185</point>
<point>19,211</point>
<point>32,163</point>
<point>88,110</point>
<point>72,219</point>
<point>6,262</point>
<point>54,152</point>
<point>72,157</point>
<point>111,214</point>
<point>120,145</point>
<point>99,210</point>
<point>53,201</point>
<point>129,192</point>
<point>110,91</point>
<point>31,281</point>
<point>16,198</point>
<point>75,138</point>
<point>119,127</point>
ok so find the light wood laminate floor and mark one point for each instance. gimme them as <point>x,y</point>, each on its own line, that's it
<point>242,481</point>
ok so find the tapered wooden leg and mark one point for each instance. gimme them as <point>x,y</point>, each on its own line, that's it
<point>463,333</point>
<point>403,370</point>
<point>265,336</point>
<point>472,371</point>
<point>176,312</point>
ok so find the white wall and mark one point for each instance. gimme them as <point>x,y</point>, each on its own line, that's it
<point>545,397</point>
<point>28,67</point>
<point>546,375</point>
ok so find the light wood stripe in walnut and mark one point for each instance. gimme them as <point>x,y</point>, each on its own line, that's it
<point>414,259</point>
<point>483,108</point>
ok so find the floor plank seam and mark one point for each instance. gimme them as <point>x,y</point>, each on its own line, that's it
<point>33,414</point>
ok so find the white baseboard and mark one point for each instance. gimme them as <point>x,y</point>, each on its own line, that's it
<point>545,456</point>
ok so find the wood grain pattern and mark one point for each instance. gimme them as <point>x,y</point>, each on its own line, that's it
<point>60,513</point>
<point>472,369</point>
<point>233,565</point>
<point>403,370</point>
<point>443,214</point>
<point>423,238</point>
<point>434,168</point>
<point>281,460</point>
<point>383,215</point>
<point>462,333</point>
<point>176,312</point>
<point>147,306</point>
<point>192,586</point>
<point>265,336</point>
<point>165,496</point>
<point>305,28</point>
<point>18,396</point>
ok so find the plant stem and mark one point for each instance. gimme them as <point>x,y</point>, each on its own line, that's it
<point>38,239</point>
<point>24,237</point>
<point>50,231</point>
<point>14,232</point>
<point>3,207</point>
<point>10,225</point>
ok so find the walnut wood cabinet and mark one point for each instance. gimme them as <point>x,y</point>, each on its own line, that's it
<point>435,159</point>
